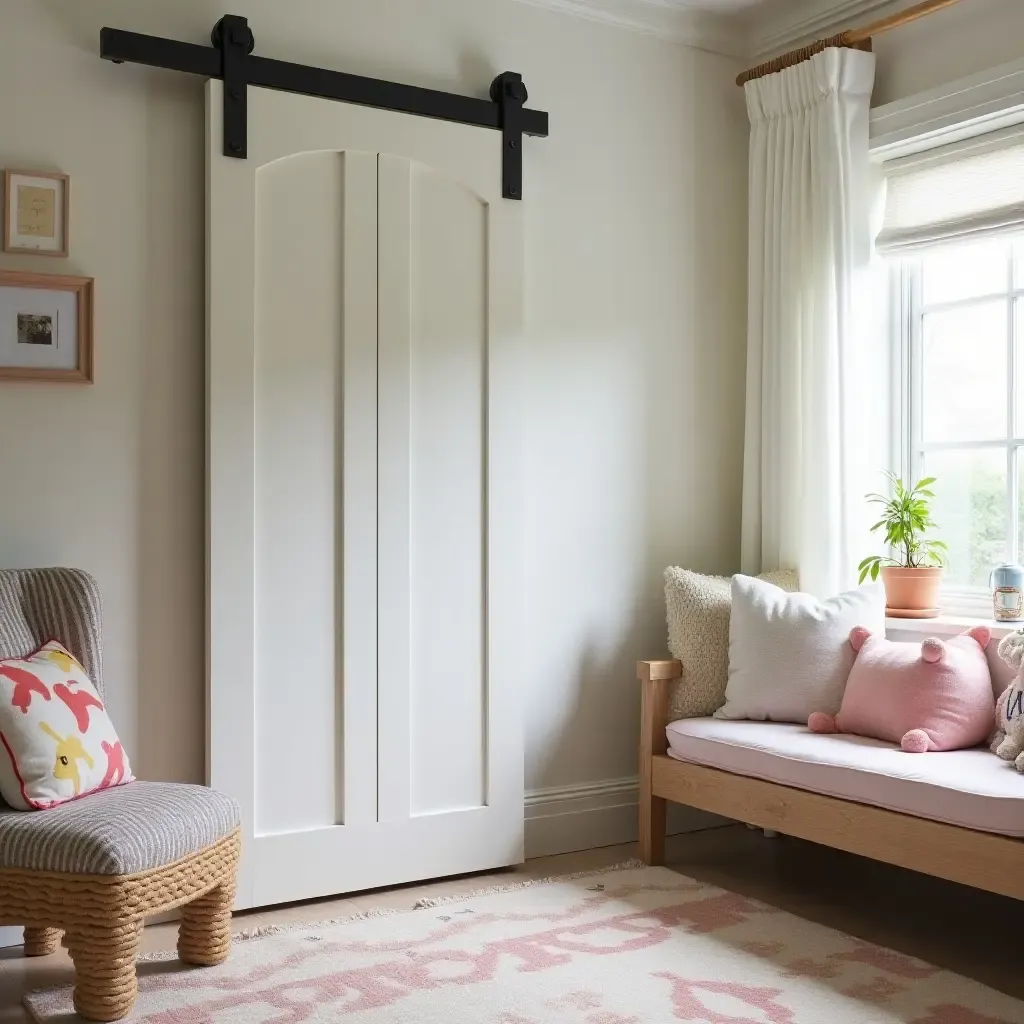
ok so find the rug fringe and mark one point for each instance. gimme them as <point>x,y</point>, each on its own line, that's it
<point>524,883</point>
<point>262,931</point>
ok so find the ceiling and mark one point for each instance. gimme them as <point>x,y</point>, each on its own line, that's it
<point>727,6</point>
<point>746,29</point>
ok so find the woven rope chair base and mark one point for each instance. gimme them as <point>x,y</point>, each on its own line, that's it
<point>101,917</point>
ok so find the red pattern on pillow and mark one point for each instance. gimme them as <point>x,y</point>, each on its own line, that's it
<point>57,750</point>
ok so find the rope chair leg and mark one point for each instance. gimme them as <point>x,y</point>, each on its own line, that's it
<point>42,941</point>
<point>204,936</point>
<point>104,958</point>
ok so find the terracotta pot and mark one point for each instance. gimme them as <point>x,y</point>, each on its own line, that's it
<point>912,593</point>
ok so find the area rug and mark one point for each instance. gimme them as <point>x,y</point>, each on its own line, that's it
<point>633,945</point>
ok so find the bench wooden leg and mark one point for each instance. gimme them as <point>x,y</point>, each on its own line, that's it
<point>42,941</point>
<point>652,828</point>
<point>656,678</point>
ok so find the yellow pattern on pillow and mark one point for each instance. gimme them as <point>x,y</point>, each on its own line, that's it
<point>59,743</point>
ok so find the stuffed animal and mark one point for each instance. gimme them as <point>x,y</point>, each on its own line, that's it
<point>935,695</point>
<point>1008,739</point>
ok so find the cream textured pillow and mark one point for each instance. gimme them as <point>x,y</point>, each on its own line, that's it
<point>58,743</point>
<point>790,654</point>
<point>698,636</point>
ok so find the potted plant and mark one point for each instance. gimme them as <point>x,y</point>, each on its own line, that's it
<point>912,573</point>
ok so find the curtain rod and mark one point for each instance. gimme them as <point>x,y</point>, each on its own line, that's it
<point>859,39</point>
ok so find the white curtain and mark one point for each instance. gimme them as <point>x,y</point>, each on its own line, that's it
<point>811,191</point>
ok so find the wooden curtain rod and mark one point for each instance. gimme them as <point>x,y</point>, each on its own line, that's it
<point>858,38</point>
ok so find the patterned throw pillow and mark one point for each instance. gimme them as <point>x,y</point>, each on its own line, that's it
<point>59,743</point>
<point>698,636</point>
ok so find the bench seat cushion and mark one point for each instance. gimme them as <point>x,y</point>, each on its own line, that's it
<point>970,788</point>
<point>119,831</point>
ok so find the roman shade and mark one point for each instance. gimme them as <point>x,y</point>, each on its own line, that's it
<point>963,191</point>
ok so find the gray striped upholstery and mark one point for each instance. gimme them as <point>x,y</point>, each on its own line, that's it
<point>37,605</point>
<point>118,831</point>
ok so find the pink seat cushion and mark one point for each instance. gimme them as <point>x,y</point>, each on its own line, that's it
<point>935,695</point>
<point>970,788</point>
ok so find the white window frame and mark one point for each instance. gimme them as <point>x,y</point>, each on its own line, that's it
<point>967,108</point>
<point>909,311</point>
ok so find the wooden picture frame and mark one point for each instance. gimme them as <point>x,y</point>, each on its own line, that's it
<point>46,327</point>
<point>50,233</point>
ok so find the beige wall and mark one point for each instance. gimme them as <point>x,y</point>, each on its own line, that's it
<point>971,36</point>
<point>636,266</point>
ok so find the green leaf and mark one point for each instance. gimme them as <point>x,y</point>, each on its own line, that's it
<point>906,520</point>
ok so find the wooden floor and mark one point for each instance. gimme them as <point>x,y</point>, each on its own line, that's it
<point>960,929</point>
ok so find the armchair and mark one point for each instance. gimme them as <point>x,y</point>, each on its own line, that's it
<point>94,869</point>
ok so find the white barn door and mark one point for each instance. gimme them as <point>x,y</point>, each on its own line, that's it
<point>364,307</point>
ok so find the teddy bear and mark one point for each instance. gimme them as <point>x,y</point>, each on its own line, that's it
<point>1008,738</point>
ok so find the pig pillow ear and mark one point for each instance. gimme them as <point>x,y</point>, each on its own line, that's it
<point>982,634</point>
<point>858,637</point>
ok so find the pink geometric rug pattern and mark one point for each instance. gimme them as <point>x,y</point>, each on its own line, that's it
<point>633,945</point>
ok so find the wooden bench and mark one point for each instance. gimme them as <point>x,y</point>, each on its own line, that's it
<point>979,859</point>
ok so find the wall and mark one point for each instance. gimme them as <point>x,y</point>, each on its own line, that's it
<point>636,267</point>
<point>971,36</point>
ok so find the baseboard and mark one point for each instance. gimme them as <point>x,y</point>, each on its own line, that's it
<point>563,819</point>
<point>11,937</point>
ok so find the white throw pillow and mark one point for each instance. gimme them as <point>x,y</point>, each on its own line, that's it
<point>698,636</point>
<point>789,654</point>
<point>58,743</point>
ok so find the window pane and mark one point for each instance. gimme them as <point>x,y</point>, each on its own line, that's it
<point>1018,262</point>
<point>963,392</point>
<point>1018,310</point>
<point>1020,508</point>
<point>970,511</point>
<point>954,272</point>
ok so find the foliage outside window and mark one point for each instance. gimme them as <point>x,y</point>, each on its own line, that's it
<point>962,332</point>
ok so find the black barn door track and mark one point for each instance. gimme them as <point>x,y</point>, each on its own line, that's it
<point>231,59</point>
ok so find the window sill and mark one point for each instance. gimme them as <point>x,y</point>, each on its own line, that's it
<point>948,625</point>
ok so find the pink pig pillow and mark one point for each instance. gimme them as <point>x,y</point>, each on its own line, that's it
<point>936,695</point>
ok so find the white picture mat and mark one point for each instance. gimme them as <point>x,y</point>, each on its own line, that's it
<point>55,185</point>
<point>61,305</point>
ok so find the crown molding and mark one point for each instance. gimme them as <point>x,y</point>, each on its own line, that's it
<point>759,33</point>
<point>772,32</point>
<point>678,20</point>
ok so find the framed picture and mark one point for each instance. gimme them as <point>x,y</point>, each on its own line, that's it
<point>45,327</point>
<point>37,207</point>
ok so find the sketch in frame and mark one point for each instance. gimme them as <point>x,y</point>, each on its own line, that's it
<point>37,329</point>
<point>37,212</point>
<point>45,327</point>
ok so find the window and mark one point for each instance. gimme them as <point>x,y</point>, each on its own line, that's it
<point>963,401</point>
<point>953,225</point>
